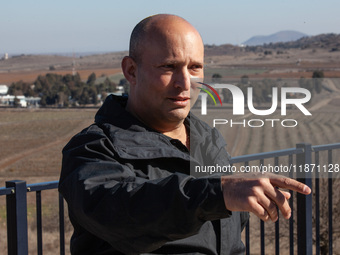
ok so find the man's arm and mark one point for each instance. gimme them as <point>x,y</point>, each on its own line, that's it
<point>260,195</point>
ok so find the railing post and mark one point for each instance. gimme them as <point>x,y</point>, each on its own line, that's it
<point>17,218</point>
<point>61,225</point>
<point>304,203</point>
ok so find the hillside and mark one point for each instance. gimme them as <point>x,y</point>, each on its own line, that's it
<point>282,36</point>
<point>323,41</point>
<point>54,62</point>
<point>329,42</point>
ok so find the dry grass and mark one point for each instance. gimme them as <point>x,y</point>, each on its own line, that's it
<point>32,139</point>
<point>31,143</point>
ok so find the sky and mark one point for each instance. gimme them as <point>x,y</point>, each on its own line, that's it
<point>66,26</point>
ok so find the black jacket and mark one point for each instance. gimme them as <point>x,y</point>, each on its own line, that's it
<point>129,189</point>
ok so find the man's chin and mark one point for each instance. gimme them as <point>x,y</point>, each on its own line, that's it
<point>178,114</point>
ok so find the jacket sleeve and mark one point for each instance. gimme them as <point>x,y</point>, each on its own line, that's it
<point>131,213</point>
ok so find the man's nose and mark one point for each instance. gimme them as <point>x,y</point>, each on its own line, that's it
<point>182,79</point>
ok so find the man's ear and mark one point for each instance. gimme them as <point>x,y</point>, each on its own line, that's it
<point>129,68</point>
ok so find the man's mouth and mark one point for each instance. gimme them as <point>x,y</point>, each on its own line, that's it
<point>180,101</point>
<point>179,98</point>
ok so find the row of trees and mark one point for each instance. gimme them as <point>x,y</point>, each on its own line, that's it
<point>67,90</point>
<point>70,90</point>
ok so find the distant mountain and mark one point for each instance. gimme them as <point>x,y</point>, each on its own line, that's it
<point>282,36</point>
<point>330,42</point>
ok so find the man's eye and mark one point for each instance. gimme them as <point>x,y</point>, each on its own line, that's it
<point>196,68</point>
<point>170,66</point>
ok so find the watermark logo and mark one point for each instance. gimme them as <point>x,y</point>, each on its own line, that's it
<point>239,99</point>
<point>278,98</point>
<point>208,92</point>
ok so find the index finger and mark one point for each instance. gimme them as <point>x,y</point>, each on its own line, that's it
<point>291,184</point>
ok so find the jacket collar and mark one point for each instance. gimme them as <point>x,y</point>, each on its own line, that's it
<point>113,112</point>
<point>131,138</point>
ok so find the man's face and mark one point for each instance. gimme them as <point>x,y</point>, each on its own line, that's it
<point>164,72</point>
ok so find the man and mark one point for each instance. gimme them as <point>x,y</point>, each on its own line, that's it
<point>126,178</point>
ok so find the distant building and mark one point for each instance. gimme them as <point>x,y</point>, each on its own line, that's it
<point>6,56</point>
<point>22,101</point>
<point>119,91</point>
<point>3,89</point>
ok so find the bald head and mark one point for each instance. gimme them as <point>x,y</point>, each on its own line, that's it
<point>166,52</point>
<point>156,27</point>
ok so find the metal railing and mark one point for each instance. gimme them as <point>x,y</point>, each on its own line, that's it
<point>16,212</point>
<point>16,205</point>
